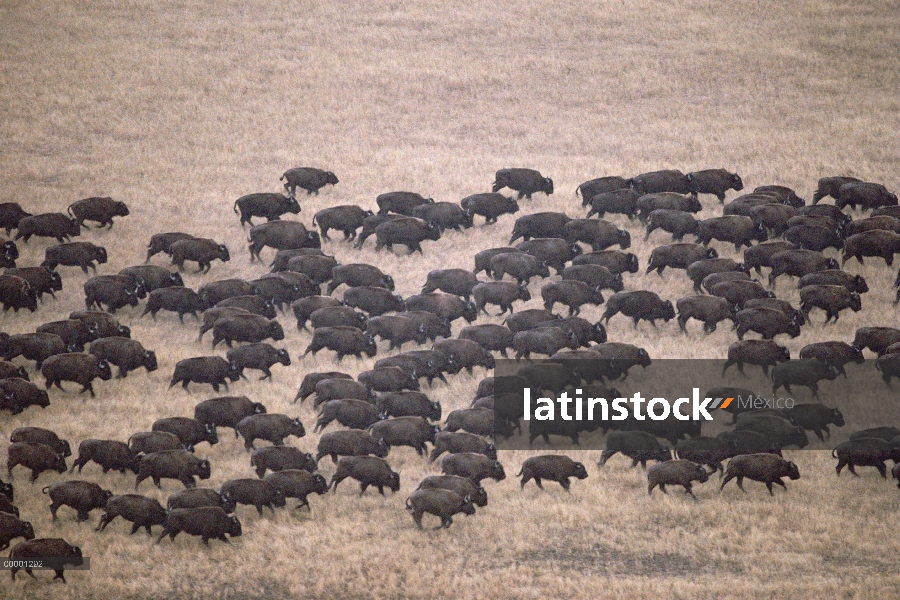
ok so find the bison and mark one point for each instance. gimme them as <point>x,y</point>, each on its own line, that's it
<point>205,369</point>
<point>310,179</point>
<point>367,470</point>
<point>440,503</point>
<point>272,427</point>
<point>489,205</point>
<point>208,522</point>
<point>639,305</point>
<point>675,472</point>
<point>200,250</point>
<point>524,181</point>
<point>83,496</point>
<point>766,468</point>
<point>109,454</point>
<point>346,218</point>
<point>267,205</point>
<point>140,510</point>
<point>172,464</point>
<point>98,209</point>
<point>75,254</point>
<point>553,467</point>
<point>75,366</point>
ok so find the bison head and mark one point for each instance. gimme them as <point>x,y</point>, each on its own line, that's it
<point>666,311</point>
<point>320,486</point>
<point>27,531</point>
<point>175,280</point>
<point>149,360</point>
<point>296,428</point>
<point>497,472</point>
<point>575,250</point>
<point>331,178</point>
<point>432,232</point>
<point>312,240</point>
<point>382,448</point>
<point>394,481</point>
<point>103,370</point>
<point>791,470</point>
<point>209,433</point>
<point>11,250</point>
<point>470,312</point>
<point>371,348</point>
<point>60,464</point>
<point>623,238</point>
<point>837,417</point>
<point>233,371</point>
<point>203,469</point>
<point>598,333</point>
<point>234,527</point>
<point>278,499</point>
<point>74,228</point>
<point>711,253</point>
<point>275,330</point>
<point>388,283</point>
<point>579,471</point>
<point>223,254</point>
<point>547,187</point>
<point>855,302</point>
<point>283,357</point>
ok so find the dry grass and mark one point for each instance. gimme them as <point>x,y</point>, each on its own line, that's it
<point>179,108</point>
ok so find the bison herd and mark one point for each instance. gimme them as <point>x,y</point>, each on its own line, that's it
<point>384,408</point>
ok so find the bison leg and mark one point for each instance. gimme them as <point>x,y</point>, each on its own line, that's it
<point>728,478</point>
<point>53,508</point>
<point>105,520</point>
<point>606,455</point>
<point>88,388</point>
<point>446,521</point>
<point>83,515</point>
<point>417,517</point>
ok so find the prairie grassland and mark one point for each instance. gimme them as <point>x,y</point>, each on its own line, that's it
<point>179,108</point>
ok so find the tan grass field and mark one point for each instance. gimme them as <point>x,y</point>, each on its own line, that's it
<point>180,108</point>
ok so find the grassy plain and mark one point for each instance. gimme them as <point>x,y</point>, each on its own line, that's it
<point>179,108</point>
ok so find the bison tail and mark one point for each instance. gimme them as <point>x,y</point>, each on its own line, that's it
<point>46,487</point>
<point>69,210</point>
<point>408,505</point>
<point>833,455</point>
<point>281,178</point>
<point>578,192</point>
<point>519,474</point>
<point>235,207</point>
